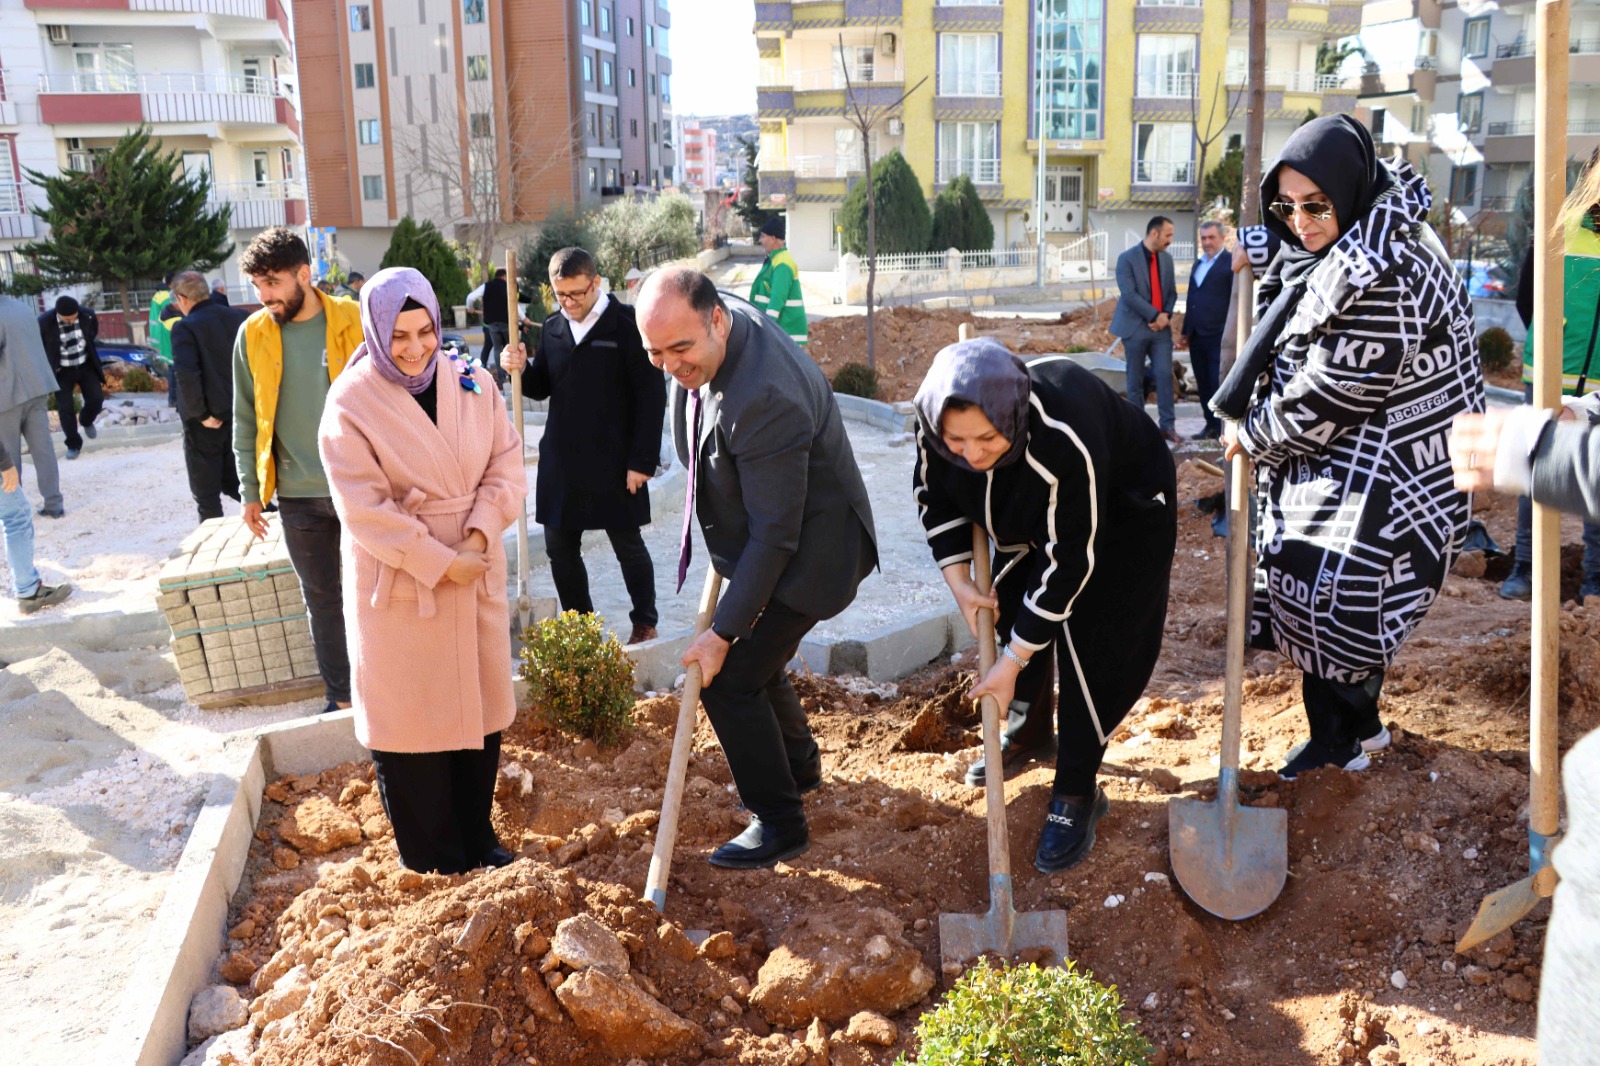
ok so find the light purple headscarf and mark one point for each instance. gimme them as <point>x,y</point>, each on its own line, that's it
<point>381,299</point>
<point>984,373</point>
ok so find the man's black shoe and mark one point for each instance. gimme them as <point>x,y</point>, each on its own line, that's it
<point>1013,758</point>
<point>48,513</point>
<point>497,857</point>
<point>761,845</point>
<point>1069,832</point>
<point>89,430</point>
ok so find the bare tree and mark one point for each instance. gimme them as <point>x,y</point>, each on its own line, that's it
<point>864,119</point>
<point>1213,132</point>
<point>465,172</point>
<point>1255,115</point>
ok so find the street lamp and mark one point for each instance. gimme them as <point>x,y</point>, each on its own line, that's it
<point>1040,89</point>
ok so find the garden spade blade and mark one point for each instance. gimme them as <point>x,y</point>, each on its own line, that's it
<point>964,937</point>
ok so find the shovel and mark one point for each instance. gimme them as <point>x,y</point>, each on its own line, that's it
<point>963,937</point>
<point>1501,910</point>
<point>1232,860</point>
<point>655,883</point>
<point>524,602</point>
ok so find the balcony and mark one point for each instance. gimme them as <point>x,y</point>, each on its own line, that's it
<point>1525,128</point>
<point>1292,81</point>
<point>813,166</point>
<point>259,204</point>
<point>1151,172</point>
<point>1516,63</point>
<point>1165,86</point>
<point>1513,142</point>
<point>969,83</point>
<point>16,221</point>
<point>100,97</point>
<point>981,171</point>
<point>824,79</point>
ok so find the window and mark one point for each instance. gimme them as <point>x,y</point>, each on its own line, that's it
<point>371,187</point>
<point>635,180</point>
<point>611,177</point>
<point>477,68</point>
<point>366,76</point>
<point>588,69</point>
<point>969,64</point>
<point>1380,121</point>
<point>652,85</point>
<point>592,123</point>
<point>585,13</point>
<point>633,77</point>
<point>1464,184</point>
<point>471,11</point>
<point>605,20</point>
<point>655,133</point>
<point>594,179</point>
<point>1163,153</point>
<point>627,24</point>
<point>1074,72</point>
<point>666,86</point>
<point>1419,119</point>
<point>367,131</point>
<point>605,73</point>
<point>970,148</point>
<point>633,127</point>
<point>611,126</point>
<point>482,125</point>
<point>661,39</point>
<point>1475,38</point>
<point>360,18</point>
<point>649,42</point>
<point>1167,64</point>
<point>1469,112</point>
<point>104,68</point>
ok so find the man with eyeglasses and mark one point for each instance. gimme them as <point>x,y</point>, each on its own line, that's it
<point>602,435</point>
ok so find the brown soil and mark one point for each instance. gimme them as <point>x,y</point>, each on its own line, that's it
<point>1386,867</point>
<point>909,337</point>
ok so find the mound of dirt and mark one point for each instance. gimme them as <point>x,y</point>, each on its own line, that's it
<point>909,337</point>
<point>348,957</point>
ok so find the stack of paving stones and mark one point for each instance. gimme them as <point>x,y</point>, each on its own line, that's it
<point>239,627</point>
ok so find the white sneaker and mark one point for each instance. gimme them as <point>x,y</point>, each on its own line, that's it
<point>1377,741</point>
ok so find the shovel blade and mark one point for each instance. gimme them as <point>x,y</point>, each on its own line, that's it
<point>1498,912</point>
<point>963,937</point>
<point>1232,860</point>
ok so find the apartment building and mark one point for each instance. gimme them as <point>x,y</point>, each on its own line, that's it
<point>479,115</point>
<point>1125,87</point>
<point>698,146</point>
<point>214,79</point>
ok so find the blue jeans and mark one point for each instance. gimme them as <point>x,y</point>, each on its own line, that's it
<point>16,518</point>
<point>1156,347</point>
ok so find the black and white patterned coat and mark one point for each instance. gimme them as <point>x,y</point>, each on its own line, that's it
<point>1359,519</point>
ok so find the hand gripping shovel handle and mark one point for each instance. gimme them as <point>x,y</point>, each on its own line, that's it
<point>655,884</point>
<point>994,770</point>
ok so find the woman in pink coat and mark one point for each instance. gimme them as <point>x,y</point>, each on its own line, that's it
<point>426,474</point>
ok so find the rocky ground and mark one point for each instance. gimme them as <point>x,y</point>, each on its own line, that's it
<point>338,955</point>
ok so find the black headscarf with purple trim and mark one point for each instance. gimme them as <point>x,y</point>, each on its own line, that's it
<point>985,374</point>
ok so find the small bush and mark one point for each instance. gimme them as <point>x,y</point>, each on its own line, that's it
<point>579,677</point>
<point>1025,1014</point>
<point>1496,348</point>
<point>77,402</point>
<point>856,379</point>
<point>1073,349</point>
<point>138,379</point>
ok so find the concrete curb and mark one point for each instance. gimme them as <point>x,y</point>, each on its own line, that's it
<point>123,437</point>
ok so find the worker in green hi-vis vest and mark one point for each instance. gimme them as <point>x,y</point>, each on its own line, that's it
<point>163,313</point>
<point>776,290</point>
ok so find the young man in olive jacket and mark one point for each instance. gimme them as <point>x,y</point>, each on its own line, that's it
<point>602,435</point>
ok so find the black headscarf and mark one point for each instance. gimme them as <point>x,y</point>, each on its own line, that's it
<point>983,373</point>
<point>1336,152</point>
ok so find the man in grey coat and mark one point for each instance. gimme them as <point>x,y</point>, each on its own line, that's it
<point>1520,452</point>
<point>1143,318</point>
<point>786,521</point>
<point>26,384</point>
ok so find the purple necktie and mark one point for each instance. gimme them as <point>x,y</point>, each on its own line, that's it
<point>686,545</point>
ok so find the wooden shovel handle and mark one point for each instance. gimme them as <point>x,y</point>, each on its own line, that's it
<point>655,885</point>
<point>993,768</point>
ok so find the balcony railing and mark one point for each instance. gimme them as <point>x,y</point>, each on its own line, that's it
<point>115,82</point>
<point>12,200</point>
<point>257,204</point>
<point>825,78</point>
<point>1294,81</point>
<point>1147,172</point>
<point>969,83</point>
<point>1170,3</point>
<point>970,3</point>
<point>1496,203</point>
<point>981,171</point>
<point>813,166</point>
<point>1524,47</point>
<point>1171,85</point>
<point>1525,128</point>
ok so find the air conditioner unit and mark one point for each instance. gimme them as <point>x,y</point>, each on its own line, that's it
<point>886,44</point>
<point>897,127</point>
<point>59,34</point>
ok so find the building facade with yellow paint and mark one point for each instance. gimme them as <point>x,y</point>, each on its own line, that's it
<point>1130,90</point>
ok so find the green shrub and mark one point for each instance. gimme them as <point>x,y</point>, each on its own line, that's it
<point>1496,348</point>
<point>904,223</point>
<point>77,402</point>
<point>1028,1015</point>
<point>1073,349</point>
<point>578,676</point>
<point>856,379</point>
<point>960,220</point>
<point>138,379</point>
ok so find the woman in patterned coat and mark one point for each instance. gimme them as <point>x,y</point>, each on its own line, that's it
<point>1364,350</point>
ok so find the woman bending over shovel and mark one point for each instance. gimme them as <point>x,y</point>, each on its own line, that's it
<point>1077,490</point>
<point>426,474</point>
<point>1364,350</point>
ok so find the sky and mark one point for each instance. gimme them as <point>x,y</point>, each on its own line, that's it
<point>713,57</point>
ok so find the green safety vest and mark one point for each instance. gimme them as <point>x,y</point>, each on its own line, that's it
<point>776,292</point>
<point>1580,312</point>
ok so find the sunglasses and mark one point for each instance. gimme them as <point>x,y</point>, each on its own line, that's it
<point>1316,210</point>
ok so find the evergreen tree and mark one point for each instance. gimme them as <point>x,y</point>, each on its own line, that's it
<point>132,217</point>
<point>904,223</point>
<point>424,249</point>
<point>959,219</point>
<point>749,205</point>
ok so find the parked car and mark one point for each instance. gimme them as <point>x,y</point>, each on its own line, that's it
<point>128,354</point>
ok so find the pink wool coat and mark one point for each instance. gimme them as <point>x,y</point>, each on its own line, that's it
<point>430,660</point>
